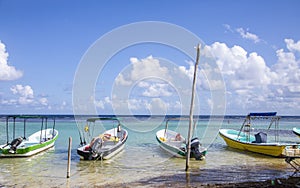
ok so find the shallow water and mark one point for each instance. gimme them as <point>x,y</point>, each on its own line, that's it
<point>143,160</point>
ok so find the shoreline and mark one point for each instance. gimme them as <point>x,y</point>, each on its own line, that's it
<point>168,182</point>
<point>189,179</point>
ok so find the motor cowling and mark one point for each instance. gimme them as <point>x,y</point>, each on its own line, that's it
<point>14,144</point>
<point>195,146</point>
<point>96,146</point>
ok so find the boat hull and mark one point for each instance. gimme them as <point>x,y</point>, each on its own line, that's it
<point>272,149</point>
<point>85,152</point>
<point>87,155</point>
<point>33,145</point>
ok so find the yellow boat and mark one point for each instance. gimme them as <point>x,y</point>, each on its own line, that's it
<point>245,139</point>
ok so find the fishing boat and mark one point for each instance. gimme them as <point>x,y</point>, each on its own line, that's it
<point>22,146</point>
<point>249,140</point>
<point>175,144</point>
<point>104,146</point>
<point>296,131</point>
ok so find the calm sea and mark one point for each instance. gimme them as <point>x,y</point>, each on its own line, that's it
<point>143,160</point>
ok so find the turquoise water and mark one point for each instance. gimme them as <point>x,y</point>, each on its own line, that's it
<point>143,160</point>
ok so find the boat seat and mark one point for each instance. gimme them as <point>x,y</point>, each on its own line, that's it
<point>30,143</point>
<point>109,143</point>
<point>175,143</point>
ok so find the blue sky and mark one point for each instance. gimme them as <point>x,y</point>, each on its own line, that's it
<point>256,45</point>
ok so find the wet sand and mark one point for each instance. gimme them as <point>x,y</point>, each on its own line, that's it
<point>280,182</point>
<point>169,182</point>
<point>180,181</point>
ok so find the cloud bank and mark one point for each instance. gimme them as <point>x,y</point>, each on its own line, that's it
<point>7,72</point>
<point>251,85</point>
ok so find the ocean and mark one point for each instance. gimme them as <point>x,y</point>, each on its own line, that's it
<point>143,161</point>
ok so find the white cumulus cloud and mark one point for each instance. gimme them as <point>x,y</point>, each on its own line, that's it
<point>143,68</point>
<point>248,35</point>
<point>120,80</point>
<point>239,68</point>
<point>243,33</point>
<point>24,96</point>
<point>101,103</point>
<point>288,69</point>
<point>25,93</point>
<point>7,72</point>
<point>291,45</point>
<point>157,90</point>
<point>43,101</point>
<point>253,85</point>
<point>158,106</point>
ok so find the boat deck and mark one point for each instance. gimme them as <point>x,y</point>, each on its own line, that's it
<point>108,145</point>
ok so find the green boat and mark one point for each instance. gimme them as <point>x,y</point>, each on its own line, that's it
<point>23,146</point>
<point>176,145</point>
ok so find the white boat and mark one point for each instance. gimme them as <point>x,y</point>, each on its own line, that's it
<point>105,145</point>
<point>175,144</point>
<point>249,140</point>
<point>296,131</point>
<point>35,143</point>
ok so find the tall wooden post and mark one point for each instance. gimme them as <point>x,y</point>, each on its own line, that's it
<point>69,157</point>
<point>191,111</point>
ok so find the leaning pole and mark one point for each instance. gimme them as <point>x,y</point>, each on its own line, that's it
<point>191,111</point>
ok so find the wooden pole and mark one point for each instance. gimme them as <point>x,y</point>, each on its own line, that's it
<point>69,157</point>
<point>191,111</point>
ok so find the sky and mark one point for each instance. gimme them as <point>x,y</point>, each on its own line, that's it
<point>45,45</point>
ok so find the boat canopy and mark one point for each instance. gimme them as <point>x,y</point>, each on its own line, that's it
<point>101,118</point>
<point>27,116</point>
<point>11,119</point>
<point>260,115</point>
<point>177,119</point>
<point>263,114</point>
<point>86,132</point>
<point>181,119</point>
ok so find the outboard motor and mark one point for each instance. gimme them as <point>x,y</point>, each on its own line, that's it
<point>195,143</point>
<point>96,147</point>
<point>14,144</point>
